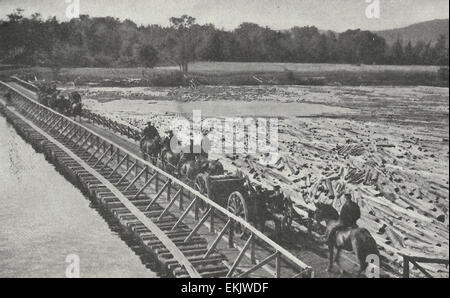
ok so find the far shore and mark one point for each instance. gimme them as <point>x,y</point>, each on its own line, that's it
<point>243,73</point>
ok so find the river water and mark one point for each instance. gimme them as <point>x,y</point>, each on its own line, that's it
<point>217,108</point>
<point>44,218</point>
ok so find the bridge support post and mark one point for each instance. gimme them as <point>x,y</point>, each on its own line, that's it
<point>211,226</point>
<point>169,188</point>
<point>252,252</point>
<point>181,199</point>
<point>157,183</point>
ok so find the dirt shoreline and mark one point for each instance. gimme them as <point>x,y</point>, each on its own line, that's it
<point>241,74</point>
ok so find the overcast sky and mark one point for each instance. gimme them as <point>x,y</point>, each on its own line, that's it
<point>338,15</point>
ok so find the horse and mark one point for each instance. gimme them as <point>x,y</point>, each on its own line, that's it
<point>169,159</point>
<point>358,240</point>
<point>260,213</point>
<point>76,110</point>
<point>63,105</point>
<point>53,102</point>
<point>190,166</point>
<point>75,96</point>
<point>151,148</point>
<point>212,167</point>
<point>187,168</point>
<point>76,107</point>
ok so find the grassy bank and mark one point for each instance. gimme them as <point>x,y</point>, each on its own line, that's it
<point>217,73</point>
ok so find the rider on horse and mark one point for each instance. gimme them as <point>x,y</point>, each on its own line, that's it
<point>166,142</point>
<point>350,213</point>
<point>149,132</point>
<point>150,142</point>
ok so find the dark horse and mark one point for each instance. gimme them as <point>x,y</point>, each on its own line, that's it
<point>60,104</point>
<point>212,167</point>
<point>189,164</point>
<point>358,240</point>
<point>151,148</point>
<point>169,159</point>
<point>75,105</point>
<point>191,167</point>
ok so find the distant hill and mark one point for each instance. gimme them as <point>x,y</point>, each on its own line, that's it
<point>426,31</point>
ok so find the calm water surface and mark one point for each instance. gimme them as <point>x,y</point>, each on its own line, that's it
<point>43,219</point>
<point>219,108</point>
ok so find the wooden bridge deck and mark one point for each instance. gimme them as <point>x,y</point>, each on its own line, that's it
<point>151,205</point>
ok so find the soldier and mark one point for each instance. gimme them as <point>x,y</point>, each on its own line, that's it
<point>150,131</point>
<point>350,213</point>
<point>165,144</point>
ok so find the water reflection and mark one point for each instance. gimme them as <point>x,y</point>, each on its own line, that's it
<point>44,218</point>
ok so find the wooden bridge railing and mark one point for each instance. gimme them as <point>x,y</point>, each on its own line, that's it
<point>170,191</point>
<point>123,129</point>
<point>25,84</point>
<point>416,261</point>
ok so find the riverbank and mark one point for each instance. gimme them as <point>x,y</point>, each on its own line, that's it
<point>241,74</point>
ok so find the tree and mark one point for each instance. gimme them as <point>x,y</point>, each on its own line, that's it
<point>56,58</point>
<point>397,52</point>
<point>148,56</point>
<point>182,27</point>
<point>409,57</point>
<point>441,51</point>
<point>109,42</point>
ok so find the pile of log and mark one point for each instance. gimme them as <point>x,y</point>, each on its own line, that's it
<point>398,176</point>
<point>350,149</point>
<point>403,206</point>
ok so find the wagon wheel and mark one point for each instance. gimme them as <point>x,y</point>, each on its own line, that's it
<point>237,206</point>
<point>200,186</point>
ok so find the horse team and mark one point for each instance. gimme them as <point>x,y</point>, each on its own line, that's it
<point>182,164</point>
<point>51,97</point>
<point>342,232</point>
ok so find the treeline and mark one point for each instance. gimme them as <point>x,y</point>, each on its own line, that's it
<point>108,42</point>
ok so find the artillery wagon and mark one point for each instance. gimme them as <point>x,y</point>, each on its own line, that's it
<point>236,193</point>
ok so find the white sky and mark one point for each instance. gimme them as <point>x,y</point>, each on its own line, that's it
<point>338,15</point>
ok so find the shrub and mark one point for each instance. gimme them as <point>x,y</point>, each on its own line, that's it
<point>169,79</point>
